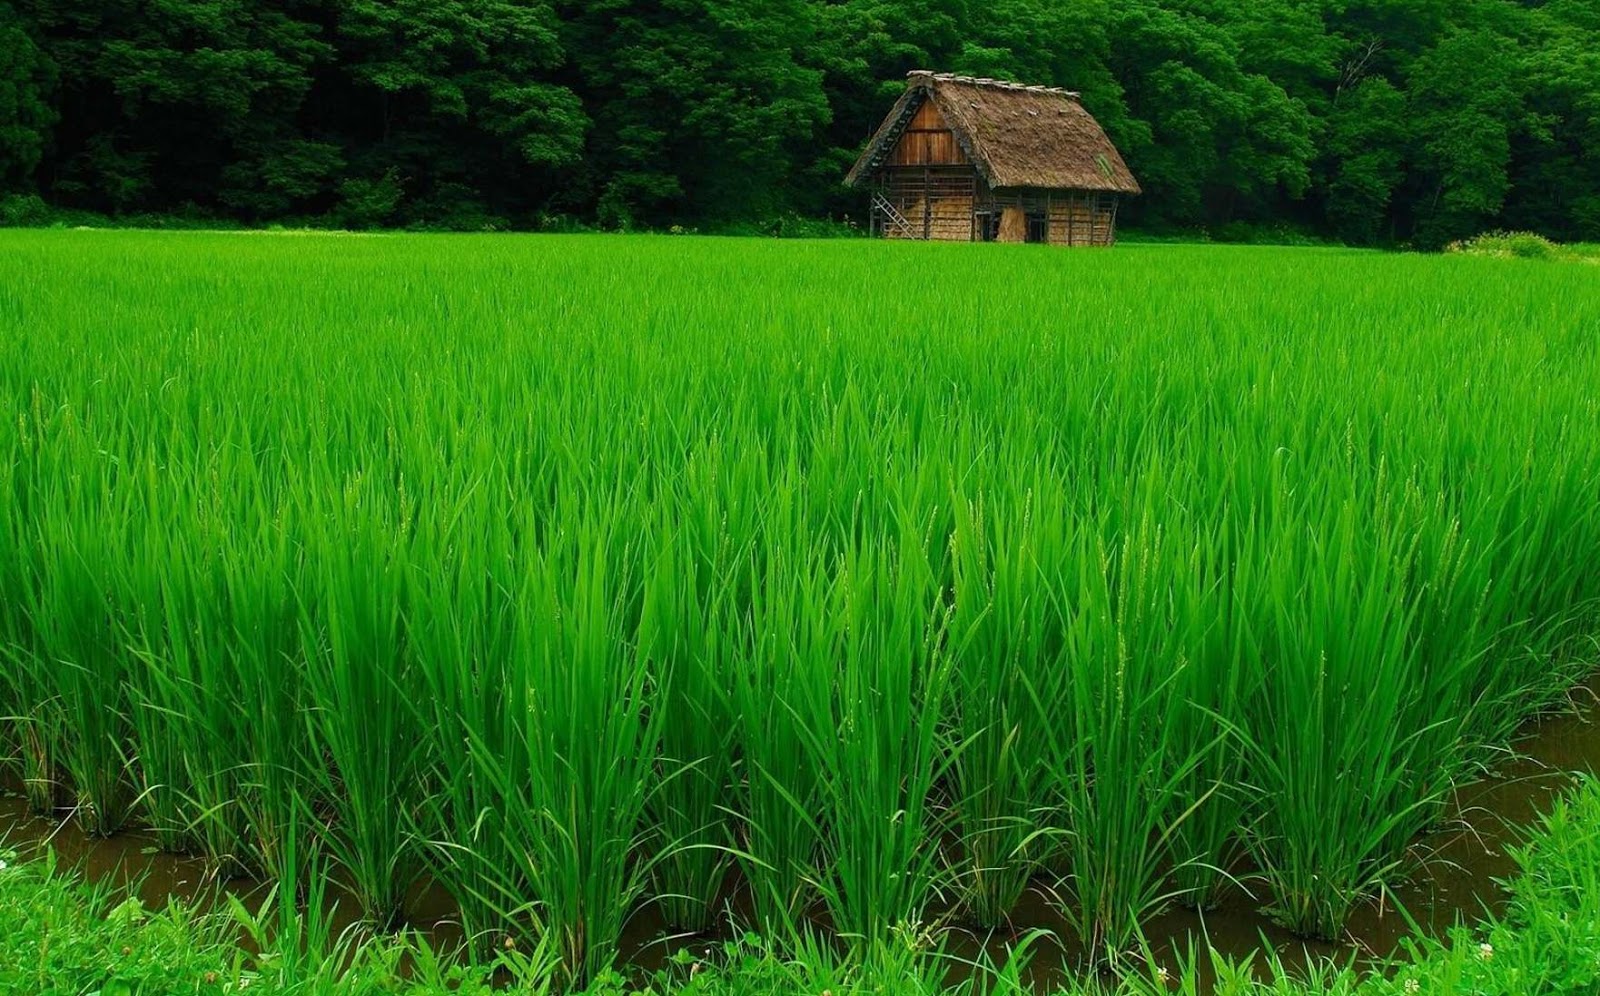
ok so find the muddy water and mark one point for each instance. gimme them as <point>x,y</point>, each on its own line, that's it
<point>1457,880</point>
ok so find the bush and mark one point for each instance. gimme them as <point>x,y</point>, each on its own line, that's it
<point>1508,245</point>
<point>370,203</point>
<point>24,211</point>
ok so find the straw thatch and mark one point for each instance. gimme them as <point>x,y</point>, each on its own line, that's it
<point>1015,135</point>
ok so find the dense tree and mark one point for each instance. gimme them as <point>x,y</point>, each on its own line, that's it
<point>702,108</point>
<point>1465,101</point>
<point>1367,120</point>
<point>1366,136</point>
<point>26,115</point>
<point>452,104</point>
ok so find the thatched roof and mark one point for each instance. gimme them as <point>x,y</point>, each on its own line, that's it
<point>1016,136</point>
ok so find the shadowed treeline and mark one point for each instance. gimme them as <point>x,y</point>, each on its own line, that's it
<point>1362,120</point>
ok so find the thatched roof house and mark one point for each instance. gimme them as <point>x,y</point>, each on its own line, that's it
<point>964,159</point>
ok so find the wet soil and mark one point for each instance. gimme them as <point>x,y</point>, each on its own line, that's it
<point>1458,878</point>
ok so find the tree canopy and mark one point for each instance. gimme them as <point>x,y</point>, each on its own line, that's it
<point>1364,120</point>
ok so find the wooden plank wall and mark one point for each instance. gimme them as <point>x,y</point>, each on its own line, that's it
<point>1079,218</point>
<point>927,141</point>
<point>940,204</point>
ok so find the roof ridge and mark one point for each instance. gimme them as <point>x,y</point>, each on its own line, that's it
<point>986,81</point>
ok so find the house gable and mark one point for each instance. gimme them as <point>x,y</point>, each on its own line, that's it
<point>927,140</point>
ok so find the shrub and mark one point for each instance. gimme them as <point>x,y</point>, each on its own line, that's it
<point>24,211</point>
<point>370,202</point>
<point>1508,245</point>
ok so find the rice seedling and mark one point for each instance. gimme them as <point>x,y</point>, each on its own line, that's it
<point>1002,624</point>
<point>729,573</point>
<point>356,664</point>
<point>560,767</point>
<point>680,635</point>
<point>1116,763</point>
<point>885,753</point>
<point>784,708</point>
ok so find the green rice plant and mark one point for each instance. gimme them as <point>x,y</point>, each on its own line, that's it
<point>1002,625</point>
<point>220,669</point>
<point>681,635</point>
<point>35,723</point>
<point>364,746</point>
<point>1216,688</point>
<point>1340,736</point>
<point>561,765</point>
<point>887,753</point>
<point>1116,762</point>
<point>158,732</point>
<point>718,554</point>
<point>79,655</point>
<point>172,707</point>
<point>462,643</point>
<point>255,700</point>
<point>782,702</point>
<point>160,714</point>
<point>32,711</point>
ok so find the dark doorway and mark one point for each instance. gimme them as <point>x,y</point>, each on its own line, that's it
<point>1038,227</point>
<point>988,225</point>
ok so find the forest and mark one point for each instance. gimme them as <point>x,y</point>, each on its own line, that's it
<point>1365,121</point>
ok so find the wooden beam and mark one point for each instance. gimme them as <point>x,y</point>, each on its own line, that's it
<point>927,204</point>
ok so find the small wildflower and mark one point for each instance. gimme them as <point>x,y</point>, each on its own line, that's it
<point>2,866</point>
<point>510,943</point>
<point>1161,974</point>
<point>210,978</point>
<point>1413,986</point>
<point>126,951</point>
<point>1486,951</point>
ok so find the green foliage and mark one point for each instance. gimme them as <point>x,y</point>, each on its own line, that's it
<point>59,935</point>
<point>1409,121</point>
<point>1464,102</point>
<point>27,115</point>
<point>369,203</point>
<point>1521,245</point>
<point>711,555</point>
<point>1365,144</point>
<point>24,211</point>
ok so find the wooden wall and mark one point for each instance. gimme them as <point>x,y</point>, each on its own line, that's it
<point>1082,218</point>
<point>927,141</point>
<point>936,202</point>
<point>942,202</point>
<point>1076,217</point>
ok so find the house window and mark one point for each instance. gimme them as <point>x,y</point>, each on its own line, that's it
<point>1038,227</point>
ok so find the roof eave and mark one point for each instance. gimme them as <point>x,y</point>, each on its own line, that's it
<point>888,130</point>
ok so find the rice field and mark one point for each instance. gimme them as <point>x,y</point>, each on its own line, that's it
<point>846,587</point>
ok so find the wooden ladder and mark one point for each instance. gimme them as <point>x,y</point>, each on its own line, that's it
<point>892,218</point>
